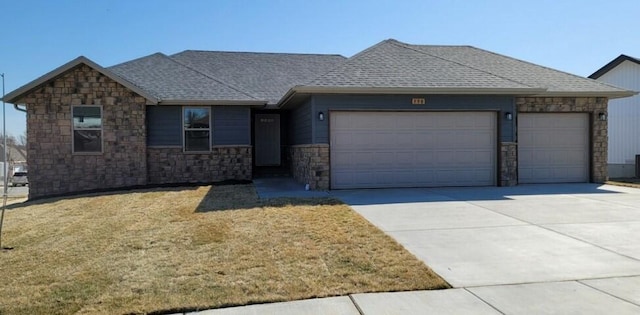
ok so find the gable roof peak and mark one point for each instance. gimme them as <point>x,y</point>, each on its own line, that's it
<point>16,95</point>
<point>612,64</point>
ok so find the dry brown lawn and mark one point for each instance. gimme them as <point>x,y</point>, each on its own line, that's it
<point>181,249</point>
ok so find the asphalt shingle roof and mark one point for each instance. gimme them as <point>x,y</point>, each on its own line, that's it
<point>170,80</point>
<point>513,69</point>
<point>388,67</point>
<point>393,64</point>
<point>266,76</point>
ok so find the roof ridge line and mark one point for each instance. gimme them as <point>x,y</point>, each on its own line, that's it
<point>541,66</point>
<point>253,52</point>
<point>408,46</point>
<point>350,59</point>
<point>130,61</point>
<point>214,79</point>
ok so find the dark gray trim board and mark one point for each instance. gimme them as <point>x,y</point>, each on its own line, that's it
<point>326,103</point>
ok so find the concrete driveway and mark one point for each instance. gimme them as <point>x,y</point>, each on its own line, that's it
<point>536,249</point>
<point>576,246</point>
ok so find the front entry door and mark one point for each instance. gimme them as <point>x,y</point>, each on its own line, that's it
<point>267,138</point>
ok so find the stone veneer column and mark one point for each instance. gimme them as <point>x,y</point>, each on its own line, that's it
<point>310,165</point>
<point>591,105</point>
<point>508,164</point>
<point>172,165</point>
<point>53,168</point>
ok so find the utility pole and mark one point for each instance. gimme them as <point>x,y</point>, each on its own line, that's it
<point>4,168</point>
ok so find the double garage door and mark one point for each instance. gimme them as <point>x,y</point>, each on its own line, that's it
<point>413,149</point>
<point>431,149</point>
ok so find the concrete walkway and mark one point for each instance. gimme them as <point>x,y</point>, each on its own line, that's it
<point>284,187</point>
<point>536,249</point>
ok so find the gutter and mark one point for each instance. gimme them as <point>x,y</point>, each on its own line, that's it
<point>409,90</point>
<point>609,95</point>
<point>523,92</point>
<point>19,109</point>
<point>417,90</point>
<point>211,102</point>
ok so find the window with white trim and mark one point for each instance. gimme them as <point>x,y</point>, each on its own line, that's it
<point>196,127</point>
<point>87,128</point>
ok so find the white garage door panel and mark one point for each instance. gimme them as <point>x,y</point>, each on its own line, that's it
<point>412,149</point>
<point>553,148</point>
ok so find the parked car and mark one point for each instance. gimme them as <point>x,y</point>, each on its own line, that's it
<point>19,179</point>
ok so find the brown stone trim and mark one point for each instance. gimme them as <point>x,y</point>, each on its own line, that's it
<point>54,168</point>
<point>172,165</point>
<point>310,165</point>
<point>508,164</point>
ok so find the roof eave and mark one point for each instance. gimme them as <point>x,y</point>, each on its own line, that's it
<point>212,102</point>
<point>15,96</point>
<point>407,90</point>
<point>416,90</point>
<point>608,94</point>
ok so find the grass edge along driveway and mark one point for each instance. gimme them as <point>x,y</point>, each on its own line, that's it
<point>193,248</point>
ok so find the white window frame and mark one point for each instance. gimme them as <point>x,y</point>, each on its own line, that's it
<point>73,129</point>
<point>184,129</point>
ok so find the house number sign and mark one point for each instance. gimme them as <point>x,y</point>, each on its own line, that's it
<point>418,101</point>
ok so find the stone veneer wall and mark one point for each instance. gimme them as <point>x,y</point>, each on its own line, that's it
<point>592,105</point>
<point>53,168</point>
<point>172,165</point>
<point>508,164</point>
<point>310,165</point>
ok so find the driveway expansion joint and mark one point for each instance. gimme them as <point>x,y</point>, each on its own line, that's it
<point>483,301</point>
<point>355,304</point>
<point>605,292</point>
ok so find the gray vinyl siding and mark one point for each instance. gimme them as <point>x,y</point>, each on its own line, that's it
<point>164,126</point>
<point>300,124</point>
<point>327,103</point>
<point>231,125</point>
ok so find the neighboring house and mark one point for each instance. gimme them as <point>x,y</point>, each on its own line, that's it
<point>393,115</point>
<point>624,116</point>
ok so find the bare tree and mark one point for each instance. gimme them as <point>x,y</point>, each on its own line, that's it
<point>22,139</point>
<point>11,143</point>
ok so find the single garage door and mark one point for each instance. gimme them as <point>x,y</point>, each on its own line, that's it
<point>553,148</point>
<point>412,149</point>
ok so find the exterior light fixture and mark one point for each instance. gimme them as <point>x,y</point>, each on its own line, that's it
<point>508,116</point>
<point>320,116</point>
<point>602,116</point>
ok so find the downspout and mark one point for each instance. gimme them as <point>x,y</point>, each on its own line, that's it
<point>19,109</point>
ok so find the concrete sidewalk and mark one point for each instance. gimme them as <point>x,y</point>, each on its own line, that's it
<point>603,296</point>
<point>536,249</point>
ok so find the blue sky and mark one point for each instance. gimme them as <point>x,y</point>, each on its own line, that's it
<point>576,36</point>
